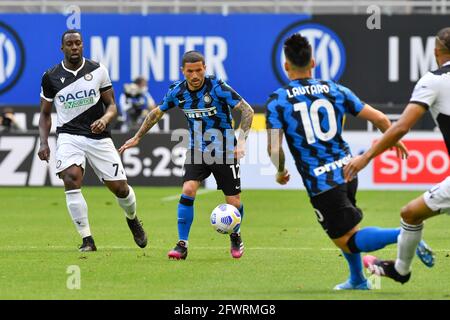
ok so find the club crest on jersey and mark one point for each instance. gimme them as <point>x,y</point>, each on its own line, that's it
<point>62,79</point>
<point>88,77</point>
<point>207,99</point>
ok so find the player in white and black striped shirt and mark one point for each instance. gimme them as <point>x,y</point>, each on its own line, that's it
<point>81,91</point>
<point>432,92</point>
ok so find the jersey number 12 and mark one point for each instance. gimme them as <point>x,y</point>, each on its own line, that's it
<point>311,121</point>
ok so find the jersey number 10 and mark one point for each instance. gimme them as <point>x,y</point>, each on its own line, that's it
<point>311,121</point>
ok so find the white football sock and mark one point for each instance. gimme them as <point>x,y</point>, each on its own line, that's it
<point>78,210</point>
<point>128,204</point>
<point>408,239</point>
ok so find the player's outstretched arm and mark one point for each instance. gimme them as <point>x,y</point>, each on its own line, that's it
<point>408,119</point>
<point>150,120</point>
<point>382,122</point>
<point>45,124</point>
<point>276,154</point>
<point>244,128</point>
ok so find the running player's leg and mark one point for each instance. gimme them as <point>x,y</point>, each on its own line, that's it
<point>431,203</point>
<point>369,238</point>
<point>235,201</point>
<point>186,209</point>
<point>237,245</point>
<point>185,215</point>
<point>195,171</point>
<point>70,164</point>
<point>228,180</point>
<point>340,220</point>
<point>126,199</point>
<point>107,165</point>
<point>77,206</point>
<point>413,215</point>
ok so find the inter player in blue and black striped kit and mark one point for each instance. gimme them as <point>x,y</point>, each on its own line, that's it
<point>213,148</point>
<point>310,112</point>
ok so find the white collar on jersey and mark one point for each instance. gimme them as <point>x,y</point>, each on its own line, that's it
<point>75,72</point>
<point>446,64</point>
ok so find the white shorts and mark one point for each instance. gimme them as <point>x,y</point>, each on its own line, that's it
<point>438,197</point>
<point>101,154</point>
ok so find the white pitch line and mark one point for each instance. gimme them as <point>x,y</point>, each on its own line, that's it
<point>22,248</point>
<point>177,196</point>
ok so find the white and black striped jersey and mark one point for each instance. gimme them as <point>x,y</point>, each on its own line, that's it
<point>432,92</point>
<point>76,96</point>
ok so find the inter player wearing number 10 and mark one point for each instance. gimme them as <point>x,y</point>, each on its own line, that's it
<point>310,112</point>
<point>81,91</point>
<point>207,103</point>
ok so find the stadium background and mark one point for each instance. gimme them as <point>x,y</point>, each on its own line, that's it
<point>242,43</point>
<point>287,255</point>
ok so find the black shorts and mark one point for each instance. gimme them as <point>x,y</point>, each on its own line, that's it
<point>336,209</point>
<point>227,175</point>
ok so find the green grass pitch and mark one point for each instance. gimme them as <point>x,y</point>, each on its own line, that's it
<point>287,254</point>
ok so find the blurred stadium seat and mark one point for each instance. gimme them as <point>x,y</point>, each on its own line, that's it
<point>229,6</point>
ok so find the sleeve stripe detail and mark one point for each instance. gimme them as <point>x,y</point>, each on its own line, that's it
<point>420,103</point>
<point>106,88</point>
<point>45,98</point>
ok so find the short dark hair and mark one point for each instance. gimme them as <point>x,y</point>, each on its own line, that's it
<point>192,57</point>
<point>444,36</point>
<point>70,31</point>
<point>297,50</point>
<point>140,79</point>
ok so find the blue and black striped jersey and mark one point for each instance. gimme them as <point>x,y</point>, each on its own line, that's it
<point>207,111</point>
<point>311,113</point>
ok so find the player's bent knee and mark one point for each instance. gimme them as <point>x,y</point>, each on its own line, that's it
<point>410,216</point>
<point>71,180</point>
<point>341,243</point>
<point>189,190</point>
<point>119,188</point>
<point>347,242</point>
<point>122,191</point>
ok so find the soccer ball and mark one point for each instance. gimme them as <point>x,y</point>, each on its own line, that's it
<point>225,218</point>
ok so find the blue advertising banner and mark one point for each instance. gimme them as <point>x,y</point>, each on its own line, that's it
<point>379,65</point>
<point>237,48</point>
